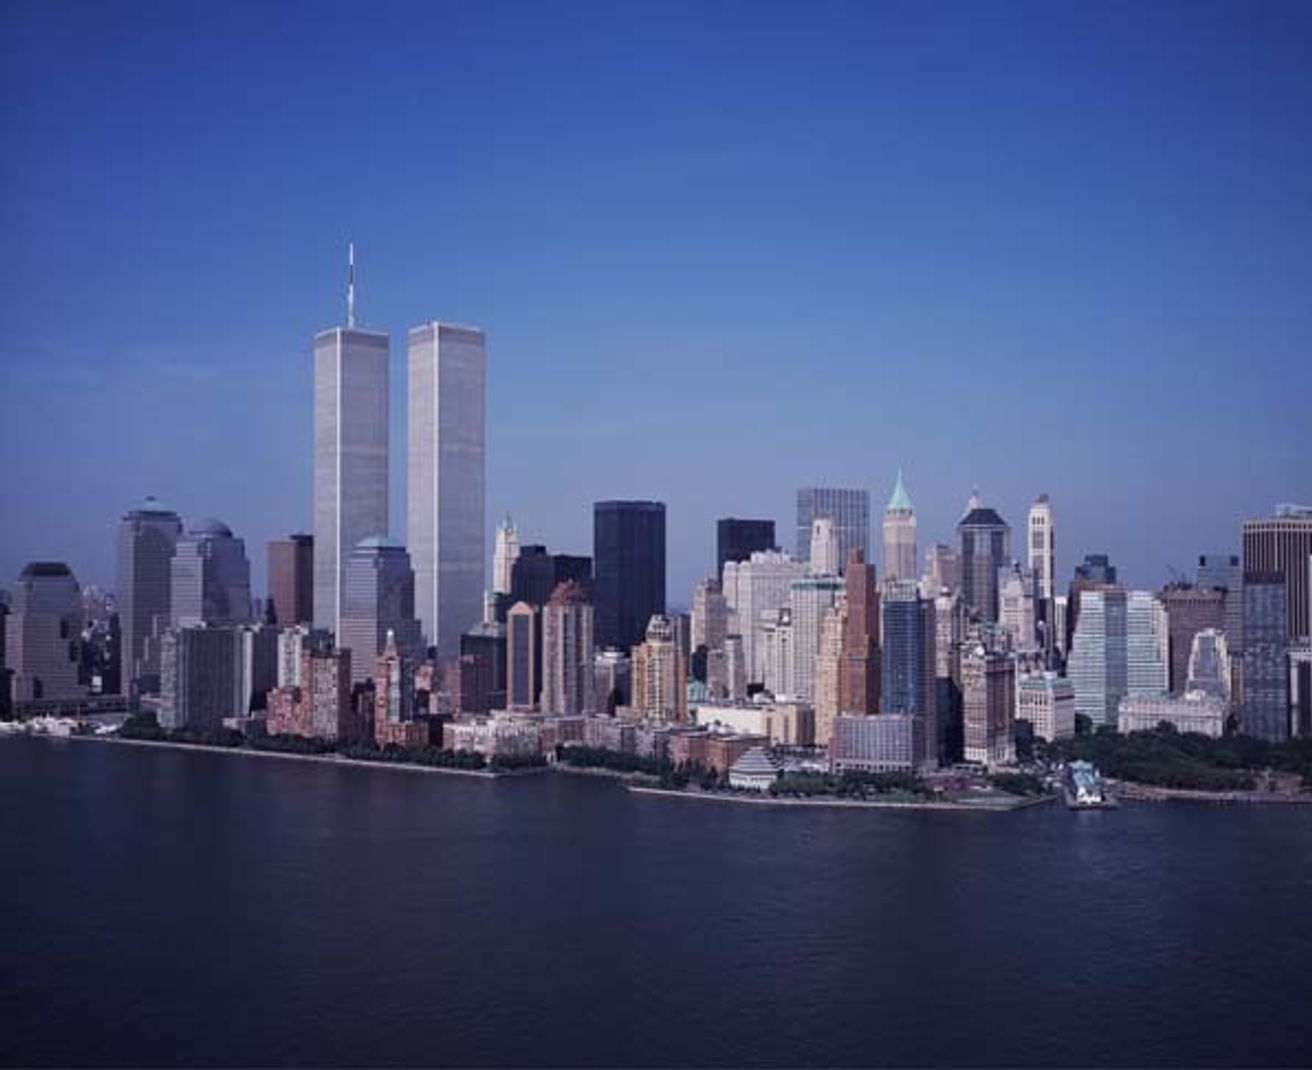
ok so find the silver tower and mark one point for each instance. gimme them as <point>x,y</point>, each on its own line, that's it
<point>350,451</point>
<point>445,476</point>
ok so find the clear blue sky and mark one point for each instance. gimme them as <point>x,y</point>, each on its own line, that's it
<point>721,250</point>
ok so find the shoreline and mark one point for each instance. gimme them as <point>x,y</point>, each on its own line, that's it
<point>834,803</point>
<point>330,759</point>
<point>1125,791</point>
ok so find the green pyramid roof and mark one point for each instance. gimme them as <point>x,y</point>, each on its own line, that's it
<point>899,500</point>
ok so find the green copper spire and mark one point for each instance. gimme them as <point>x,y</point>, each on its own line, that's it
<point>900,499</point>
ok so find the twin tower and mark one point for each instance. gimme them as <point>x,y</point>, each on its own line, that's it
<point>445,460</point>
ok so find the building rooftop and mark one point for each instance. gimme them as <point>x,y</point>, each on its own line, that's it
<point>899,498</point>
<point>755,762</point>
<point>982,516</point>
<point>46,568</point>
<point>211,527</point>
<point>379,542</point>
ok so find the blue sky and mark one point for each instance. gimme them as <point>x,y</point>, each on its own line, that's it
<point>721,250</point>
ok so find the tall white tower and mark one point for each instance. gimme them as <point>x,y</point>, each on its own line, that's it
<point>1042,545</point>
<point>350,451</point>
<point>824,547</point>
<point>445,477</point>
<point>504,555</point>
<point>899,535</point>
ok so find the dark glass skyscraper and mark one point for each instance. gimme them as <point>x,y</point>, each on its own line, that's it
<point>628,552</point>
<point>985,540</point>
<point>147,538</point>
<point>737,540</point>
<point>1266,648</point>
<point>536,573</point>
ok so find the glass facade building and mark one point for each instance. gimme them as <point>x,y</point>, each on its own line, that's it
<point>628,554</point>
<point>848,509</point>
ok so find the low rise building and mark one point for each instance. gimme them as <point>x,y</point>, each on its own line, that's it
<point>496,736</point>
<point>884,743</point>
<point>782,722</point>
<point>1195,711</point>
<point>754,771</point>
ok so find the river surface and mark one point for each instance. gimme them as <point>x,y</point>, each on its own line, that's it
<point>167,907</point>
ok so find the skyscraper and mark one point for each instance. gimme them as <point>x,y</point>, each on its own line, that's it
<point>210,577</point>
<point>1265,712</point>
<point>824,547</point>
<point>1097,667</point>
<point>350,455</point>
<point>848,509</point>
<point>899,535</point>
<point>1042,547</point>
<point>1146,644</point>
<point>988,700</point>
<point>908,657</point>
<point>445,529</point>
<point>1189,610</point>
<point>755,590</point>
<point>200,677</point>
<point>1283,544</point>
<point>828,670</point>
<point>567,652</point>
<point>942,570</point>
<point>737,540</point>
<point>659,673</point>
<point>522,645</point>
<point>504,553</point>
<point>42,632</point>
<point>1223,572</point>
<point>536,573</point>
<point>146,539</point>
<point>1209,665</point>
<point>858,675</point>
<point>378,597</point>
<point>985,541</point>
<point>1018,606</point>
<point>710,616</point>
<point>628,552</point>
<point>291,580</point>
<point>809,599</point>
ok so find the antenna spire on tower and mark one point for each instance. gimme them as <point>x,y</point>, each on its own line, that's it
<point>350,284</point>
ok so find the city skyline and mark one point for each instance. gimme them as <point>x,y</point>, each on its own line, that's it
<point>1125,344</point>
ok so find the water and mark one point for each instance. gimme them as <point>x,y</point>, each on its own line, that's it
<point>167,907</point>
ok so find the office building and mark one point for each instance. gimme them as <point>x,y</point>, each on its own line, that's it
<point>984,539</point>
<point>710,616</point>
<point>445,475</point>
<point>1097,666</point>
<point>942,570</point>
<point>888,743</point>
<point>567,652</point>
<point>504,552</point>
<point>378,597</point>
<point>824,547</point>
<point>1146,644</point>
<point>659,673</point>
<point>1042,548</point>
<point>848,509</point>
<point>755,590</point>
<point>1300,690</point>
<point>1189,610</point>
<point>828,671</point>
<point>612,680</point>
<point>858,677</point>
<point>1283,544</point>
<point>776,647</point>
<point>809,599</point>
<point>210,577</point>
<point>628,553</point>
<point>291,580</point>
<point>1209,665</point>
<point>737,540</point>
<point>1047,702</point>
<point>907,649</point>
<point>42,634</point>
<point>350,455</point>
<point>200,677</point>
<point>536,573</point>
<point>735,668</point>
<point>1018,606</point>
<point>1194,711</point>
<point>147,536</point>
<point>1223,572</point>
<point>899,534</point>
<point>320,705</point>
<point>394,699</point>
<point>1094,573</point>
<point>988,697</point>
<point>522,657</point>
<point>1265,711</point>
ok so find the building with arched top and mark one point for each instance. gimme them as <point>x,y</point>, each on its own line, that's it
<point>210,577</point>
